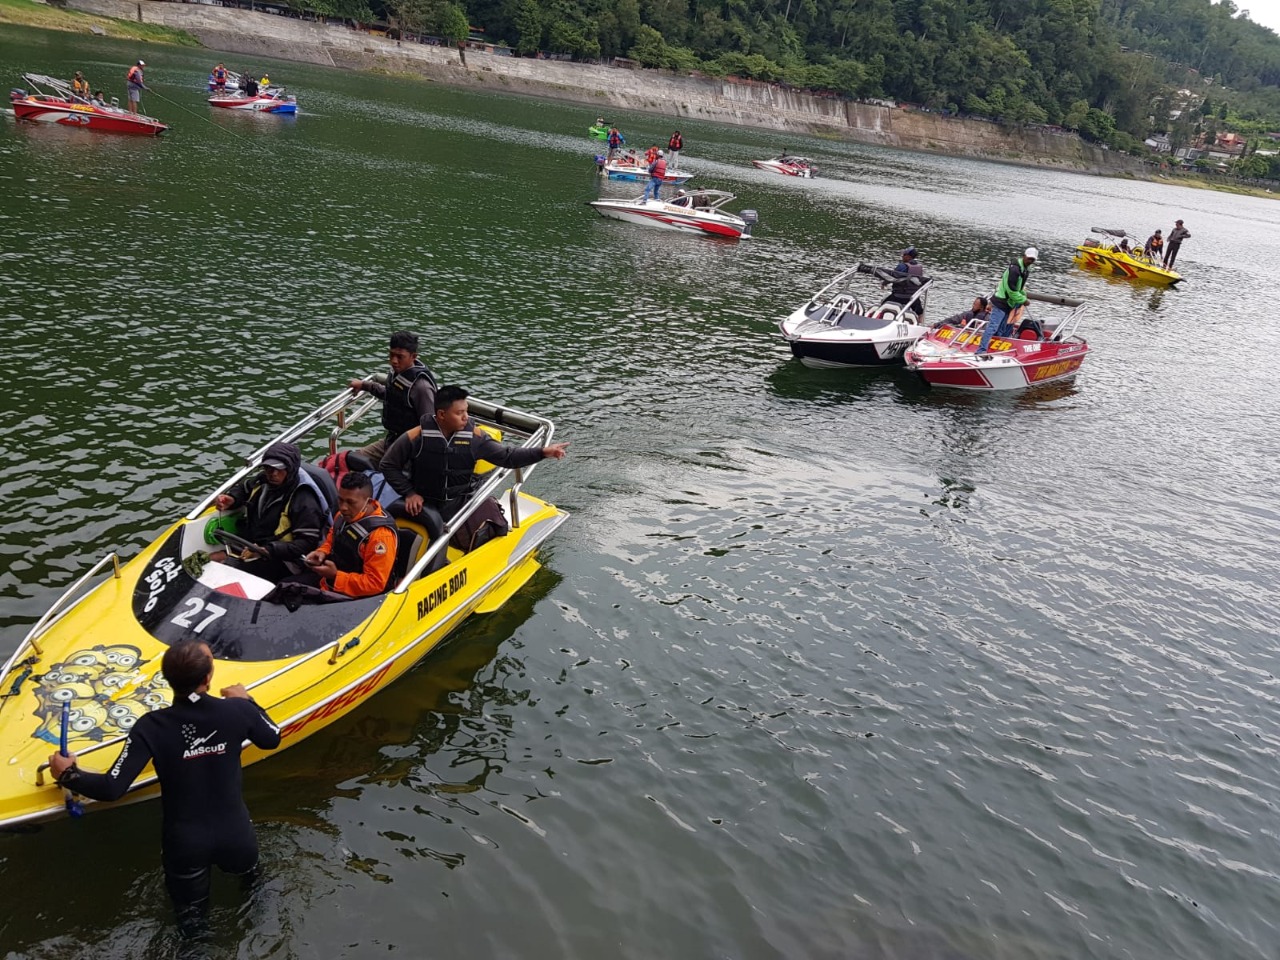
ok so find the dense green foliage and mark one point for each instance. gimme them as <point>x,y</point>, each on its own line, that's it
<point>1101,67</point>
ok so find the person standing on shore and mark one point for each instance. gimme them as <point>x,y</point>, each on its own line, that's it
<point>1008,297</point>
<point>136,84</point>
<point>674,146</point>
<point>657,171</point>
<point>1176,236</point>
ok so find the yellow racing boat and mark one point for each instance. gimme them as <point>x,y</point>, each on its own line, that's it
<point>1108,256</point>
<point>98,648</point>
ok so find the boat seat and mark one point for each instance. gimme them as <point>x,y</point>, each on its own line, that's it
<point>324,480</point>
<point>411,541</point>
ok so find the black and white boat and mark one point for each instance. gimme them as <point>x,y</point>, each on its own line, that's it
<point>842,327</point>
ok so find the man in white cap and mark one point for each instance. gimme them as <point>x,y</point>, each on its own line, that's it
<point>136,85</point>
<point>1008,297</point>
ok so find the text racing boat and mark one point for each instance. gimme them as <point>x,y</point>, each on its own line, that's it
<point>98,648</point>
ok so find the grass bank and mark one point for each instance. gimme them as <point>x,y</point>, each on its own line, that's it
<point>1199,183</point>
<point>31,14</point>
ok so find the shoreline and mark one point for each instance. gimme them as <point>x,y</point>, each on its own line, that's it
<point>728,101</point>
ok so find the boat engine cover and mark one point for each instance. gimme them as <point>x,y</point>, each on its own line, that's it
<point>750,217</point>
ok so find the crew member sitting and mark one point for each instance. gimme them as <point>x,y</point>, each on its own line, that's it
<point>433,466</point>
<point>359,553</point>
<point>284,515</point>
<point>80,86</point>
<point>979,311</point>
<point>1155,246</point>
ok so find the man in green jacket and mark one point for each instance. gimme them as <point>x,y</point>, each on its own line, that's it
<point>1008,297</point>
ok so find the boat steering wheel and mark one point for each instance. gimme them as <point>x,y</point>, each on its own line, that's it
<point>228,539</point>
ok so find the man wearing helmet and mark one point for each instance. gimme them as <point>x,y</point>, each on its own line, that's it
<point>136,85</point>
<point>1008,297</point>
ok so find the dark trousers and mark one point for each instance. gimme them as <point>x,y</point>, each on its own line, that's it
<point>1171,254</point>
<point>187,877</point>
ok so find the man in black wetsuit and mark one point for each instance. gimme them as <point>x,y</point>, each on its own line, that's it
<point>195,746</point>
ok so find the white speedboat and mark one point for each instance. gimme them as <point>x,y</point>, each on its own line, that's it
<point>837,327</point>
<point>789,166</point>
<point>699,211</point>
<point>262,103</point>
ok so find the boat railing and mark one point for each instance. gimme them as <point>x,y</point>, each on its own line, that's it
<point>540,437</point>
<point>1068,326</point>
<point>350,405</point>
<point>70,597</point>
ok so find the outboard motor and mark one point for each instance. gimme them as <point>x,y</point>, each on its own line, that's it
<point>751,218</point>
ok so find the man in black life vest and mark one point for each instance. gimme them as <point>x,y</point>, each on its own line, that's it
<point>195,746</point>
<point>284,515</point>
<point>408,397</point>
<point>433,467</point>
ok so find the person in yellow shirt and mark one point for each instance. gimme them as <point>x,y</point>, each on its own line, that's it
<point>80,86</point>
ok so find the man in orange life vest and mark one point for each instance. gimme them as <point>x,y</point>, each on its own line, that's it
<point>657,170</point>
<point>136,85</point>
<point>358,555</point>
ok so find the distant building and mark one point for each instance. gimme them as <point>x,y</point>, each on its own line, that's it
<point>1159,143</point>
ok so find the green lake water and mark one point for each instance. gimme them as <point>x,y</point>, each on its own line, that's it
<point>825,664</point>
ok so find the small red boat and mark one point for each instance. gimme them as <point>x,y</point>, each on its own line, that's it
<point>947,355</point>
<point>53,102</point>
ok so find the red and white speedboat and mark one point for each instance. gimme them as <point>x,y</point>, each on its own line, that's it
<point>788,165</point>
<point>947,355</point>
<point>262,103</point>
<point>696,212</point>
<point>53,102</point>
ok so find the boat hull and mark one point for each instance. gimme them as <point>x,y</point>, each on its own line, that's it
<point>258,104</point>
<point>786,169</point>
<point>947,358</point>
<point>1118,264</point>
<point>100,119</point>
<point>667,216</point>
<point>103,658</point>
<point>637,174</point>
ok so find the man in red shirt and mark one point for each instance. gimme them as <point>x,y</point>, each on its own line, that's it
<point>360,551</point>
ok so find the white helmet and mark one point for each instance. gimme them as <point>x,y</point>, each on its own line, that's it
<point>1031,253</point>
<point>661,154</point>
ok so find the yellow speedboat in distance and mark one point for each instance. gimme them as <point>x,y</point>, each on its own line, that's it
<point>98,648</point>
<point>1106,255</point>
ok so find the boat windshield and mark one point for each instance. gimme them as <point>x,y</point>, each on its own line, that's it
<point>172,605</point>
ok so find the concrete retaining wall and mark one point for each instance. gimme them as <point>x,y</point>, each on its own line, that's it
<point>760,105</point>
